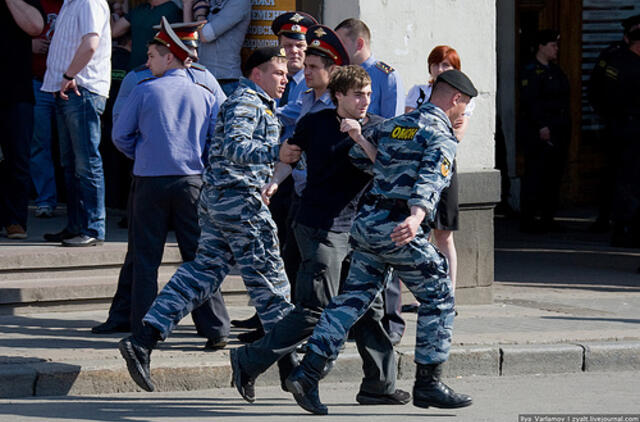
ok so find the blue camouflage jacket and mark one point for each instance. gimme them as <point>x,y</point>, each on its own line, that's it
<point>414,158</point>
<point>246,140</point>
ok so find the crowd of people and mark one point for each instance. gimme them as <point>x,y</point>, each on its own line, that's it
<point>305,167</point>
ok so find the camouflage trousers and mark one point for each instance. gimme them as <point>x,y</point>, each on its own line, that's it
<point>422,268</point>
<point>236,228</point>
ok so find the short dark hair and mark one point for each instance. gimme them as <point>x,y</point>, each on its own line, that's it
<point>345,78</point>
<point>326,61</point>
<point>163,50</point>
<point>355,28</point>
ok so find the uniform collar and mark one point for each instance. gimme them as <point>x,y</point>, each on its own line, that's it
<point>299,76</point>
<point>369,62</point>
<point>175,72</point>
<point>248,83</point>
<point>434,109</point>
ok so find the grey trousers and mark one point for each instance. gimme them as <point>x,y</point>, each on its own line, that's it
<point>323,254</point>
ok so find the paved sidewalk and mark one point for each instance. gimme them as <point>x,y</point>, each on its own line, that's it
<point>564,303</point>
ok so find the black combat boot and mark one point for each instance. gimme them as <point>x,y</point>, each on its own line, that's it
<point>286,365</point>
<point>303,383</point>
<point>243,382</point>
<point>136,351</point>
<point>429,391</point>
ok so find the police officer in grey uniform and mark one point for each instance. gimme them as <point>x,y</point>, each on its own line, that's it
<point>391,230</point>
<point>236,226</point>
<point>387,100</point>
<point>211,319</point>
<point>328,205</point>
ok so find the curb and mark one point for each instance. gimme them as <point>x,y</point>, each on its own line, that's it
<point>40,378</point>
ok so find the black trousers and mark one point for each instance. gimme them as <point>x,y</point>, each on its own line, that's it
<point>323,253</point>
<point>16,126</point>
<point>155,204</point>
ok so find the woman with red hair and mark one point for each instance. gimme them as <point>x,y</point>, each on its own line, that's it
<point>441,59</point>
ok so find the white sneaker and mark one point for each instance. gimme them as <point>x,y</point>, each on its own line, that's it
<point>44,212</point>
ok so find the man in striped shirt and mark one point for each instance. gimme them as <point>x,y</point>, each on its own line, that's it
<point>79,75</point>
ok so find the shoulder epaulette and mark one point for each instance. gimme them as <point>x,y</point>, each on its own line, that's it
<point>140,68</point>
<point>251,91</point>
<point>384,67</point>
<point>198,66</point>
<point>204,86</point>
<point>146,79</point>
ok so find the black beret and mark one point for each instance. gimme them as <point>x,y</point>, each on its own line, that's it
<point>262,55</point>
<point>293,24</point>
<point>630,22</point>
<point>459,81</point>
<point>546,36</point>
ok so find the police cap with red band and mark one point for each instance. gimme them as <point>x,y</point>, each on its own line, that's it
<point>293,25</point>
<point>170,39</point>
<point>323,41</point>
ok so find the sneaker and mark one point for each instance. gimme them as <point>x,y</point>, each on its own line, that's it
<point>44,211</point>
<point>16,231</point>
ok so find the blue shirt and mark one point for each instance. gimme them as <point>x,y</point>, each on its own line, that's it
<point>223,36</point>
<point>196,72</point>
<point>164,125</point>
<point>290,115</point>
<point>297,86</point>
<point>387,94</point>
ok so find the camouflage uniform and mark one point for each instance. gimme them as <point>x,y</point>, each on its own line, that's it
<point>412,166</point>
<point>236,227</point>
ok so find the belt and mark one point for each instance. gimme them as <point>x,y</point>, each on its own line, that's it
<point>392,204</point>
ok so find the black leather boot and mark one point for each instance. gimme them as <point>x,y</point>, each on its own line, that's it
<point>429,391</point>
<point>286,365</point>
<point>303,383</point>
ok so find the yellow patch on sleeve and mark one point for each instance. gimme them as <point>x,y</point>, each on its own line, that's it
<point>403,133</point>
<point>445,167</point>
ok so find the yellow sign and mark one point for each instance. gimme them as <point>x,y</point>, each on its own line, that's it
<point>263,12</point>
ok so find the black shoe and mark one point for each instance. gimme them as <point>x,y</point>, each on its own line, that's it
<point>395,338</point>
<point>243,382</point>
<point>429,391</point>
<point>60,236</point>
<point>82,240</point>
<point>249,324</point>
<point>138,358</point>
<point>110,327</point>
<point>216,344</point>
<point>397,397</point>
<point>303,383</point>
<point>251,336</point>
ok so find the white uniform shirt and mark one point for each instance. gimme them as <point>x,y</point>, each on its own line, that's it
<point>76,19</point>
<point>419,94</point>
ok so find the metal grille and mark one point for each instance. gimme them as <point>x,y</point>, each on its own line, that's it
<point>600,27</point>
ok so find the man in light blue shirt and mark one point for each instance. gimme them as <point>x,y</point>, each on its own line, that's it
<point>164,126</point>
<point>387,96</point>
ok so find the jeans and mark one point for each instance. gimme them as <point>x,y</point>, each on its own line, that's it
<point>79,131</point>
<point>41,163</point>
<point>16,123</point>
